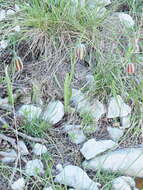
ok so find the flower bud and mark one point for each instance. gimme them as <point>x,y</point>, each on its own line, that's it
<point>131,68</point>
<point>80,51</point>
<point>18,64</point>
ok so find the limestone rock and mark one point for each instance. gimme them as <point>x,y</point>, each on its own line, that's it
<point>8,157</point>
<point>19,184</point>
<point>75,177</point>
<point>54,112</point>
<point>34,167</point>
<point>115,133</point>
<point>30,112</point>
<point>75,133</point>
<point>127,161</point>
<point>117,108</point>
<point>22,148</point>
<point>123,183</point>
<point>126,121</point>
<point>92,148</point>
<point>39,149</point>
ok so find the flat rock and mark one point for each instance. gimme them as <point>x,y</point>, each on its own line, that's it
<point>117,108</point>
<point>19,184</point>
<point>54,112</point>
<point>127,161</point>
<point>92,148</point>
<point>30,112</point>
<point>22,148</point>
<point>34,167</point>
<point>8,157</point>
<point>115,133</point>
<point>39,149</point>
<point>75,177</point>
<point>75,133</point>
<point>123,183</point>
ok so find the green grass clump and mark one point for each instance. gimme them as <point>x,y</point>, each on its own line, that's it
<point>36,128</point>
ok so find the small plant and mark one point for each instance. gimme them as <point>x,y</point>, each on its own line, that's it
<point>9,87</point>
<point>36,128</point>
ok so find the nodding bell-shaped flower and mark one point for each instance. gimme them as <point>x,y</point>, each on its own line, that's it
<point>80,51</point>
<point>18,63</point>
<point>131,68</point>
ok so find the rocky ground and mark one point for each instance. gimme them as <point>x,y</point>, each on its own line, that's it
<point>71,103</point>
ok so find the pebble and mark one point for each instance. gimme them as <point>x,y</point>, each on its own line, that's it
<point>75,133</point>
<point>19,184</point>
<point>59,167</point>
<point>75,177</point>
<point>126,161</point>
<point>39,149</point>
<point>123,183</point>
<point>16,28</point>
<point>115,133</point>
<point>22,148</point>
<point>92,148</point>
<point>30,112</point>
<point>117,108</point>
<point>34,167</point>
<point>3,44</point>
<point>54,112</point>
<point>8,157</point>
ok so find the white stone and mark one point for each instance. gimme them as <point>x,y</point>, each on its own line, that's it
<point>34,167</point>
<point>127,161</point>
<point>22,148</point>
<point>48,188</point>
<point>16,8</point>
<point>8,157</point>
<point>59,167</point>
<point>79,100</point>
<point>83,106</point>
<point>117,108</point>
<point>10,12</point>
<point>54,112</point>
<point>39,149</point>
<point>125,121</point>
<point>115,133</point>
<point>3,44</point>
<point>126,20</point>
<point>92,148</point>
<point>98,3</point>
<point>98,110</point>
<point>90,80</point>
<point>123,183</point>
<point>75,177</point>
<point>17,28</point>
<point>2,15</point>
<point>30,112</point>
<point>75,133</point>
<point>19,184</point>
